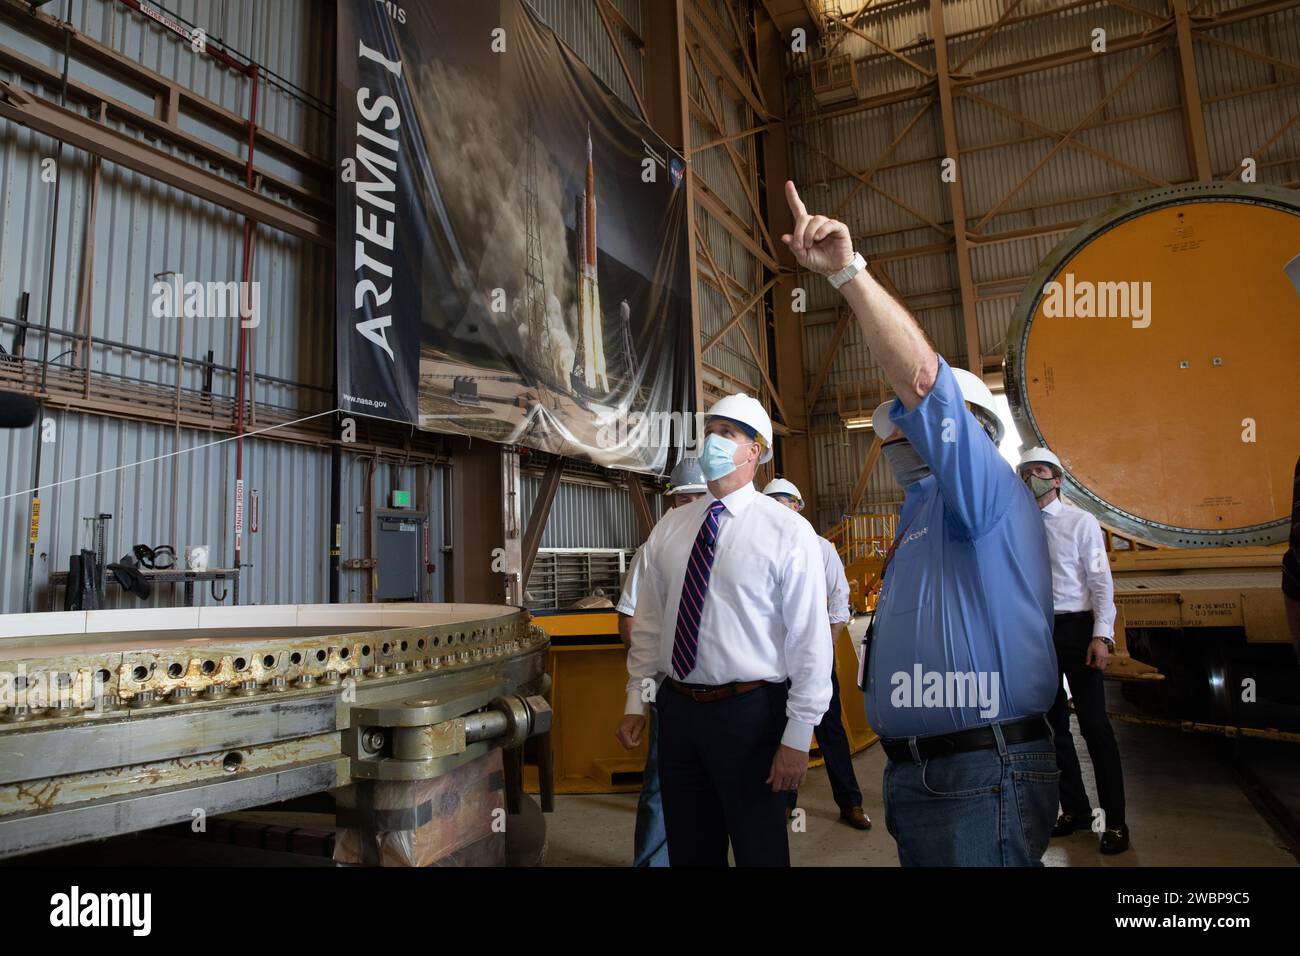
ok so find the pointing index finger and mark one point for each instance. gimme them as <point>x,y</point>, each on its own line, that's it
<point>792,197</point>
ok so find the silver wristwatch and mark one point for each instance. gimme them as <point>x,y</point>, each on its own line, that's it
<point>856,265</point>
<point>1108,641</point>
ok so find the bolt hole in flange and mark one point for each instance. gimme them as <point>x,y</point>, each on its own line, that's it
<point>175,669</point>
<point>268,661</point>
<point>295,658</point>
<point>232,761</point>
<point>139,672</point>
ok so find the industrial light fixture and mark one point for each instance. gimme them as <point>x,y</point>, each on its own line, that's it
<point>854,424</point>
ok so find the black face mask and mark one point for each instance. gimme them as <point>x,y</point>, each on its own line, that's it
<point>907,466</point>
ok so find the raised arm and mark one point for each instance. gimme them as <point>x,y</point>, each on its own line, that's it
<point>825,246</point>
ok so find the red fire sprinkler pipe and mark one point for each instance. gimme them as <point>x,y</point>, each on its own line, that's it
<point>249,70</point>
<point>245,299</point>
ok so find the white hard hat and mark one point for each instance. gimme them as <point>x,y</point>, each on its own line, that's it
<point>747,411</point>
<point>687,478</point>
<point>973,392</point>
<point>779,486</point>
<point>1040,454</point>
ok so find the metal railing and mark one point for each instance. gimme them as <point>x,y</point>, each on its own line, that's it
<point>863,536</point>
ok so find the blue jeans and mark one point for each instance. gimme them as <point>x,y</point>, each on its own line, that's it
<point>651,841</point>
<point>992,807</point>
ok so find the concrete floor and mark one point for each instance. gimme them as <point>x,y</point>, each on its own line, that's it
<point>1185,808</point>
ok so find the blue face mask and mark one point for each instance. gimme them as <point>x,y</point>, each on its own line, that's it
<point>717,457</point>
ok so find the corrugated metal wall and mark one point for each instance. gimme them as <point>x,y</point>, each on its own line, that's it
<point>99,465</point>
<point>145,231</point>
<point>577,23</point>
<point>729,365</point>
<point>586,516</point>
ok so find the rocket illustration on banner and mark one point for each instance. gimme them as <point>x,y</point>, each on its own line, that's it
<point>589,368</point>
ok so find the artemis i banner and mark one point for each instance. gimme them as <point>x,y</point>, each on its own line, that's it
<point>512,259</point>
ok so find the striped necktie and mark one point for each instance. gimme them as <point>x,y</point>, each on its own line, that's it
<point>687,636</point>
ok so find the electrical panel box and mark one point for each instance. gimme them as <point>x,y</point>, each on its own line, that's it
<point>399,555</point>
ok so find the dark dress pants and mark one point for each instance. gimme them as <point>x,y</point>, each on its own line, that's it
<point>714,760</point>
<point>1072,633</point>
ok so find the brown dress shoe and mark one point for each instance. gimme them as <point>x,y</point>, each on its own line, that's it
<point>855,818</point>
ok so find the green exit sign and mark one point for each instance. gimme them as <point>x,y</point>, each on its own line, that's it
<point>399,499</point>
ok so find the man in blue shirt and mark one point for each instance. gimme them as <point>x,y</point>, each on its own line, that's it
<point>960,666</point>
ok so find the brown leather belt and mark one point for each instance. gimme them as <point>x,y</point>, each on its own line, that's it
<point>703,693</point>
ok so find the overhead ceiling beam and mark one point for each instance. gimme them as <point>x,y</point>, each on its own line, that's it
<point>741,169</point>
<point>1068,137</point>
<point>540,514</point>
<point>864,177</point>
<point>956,196</point>
<point>708,42</point>
<point>823,370</point>
<point>886,49</point>
<point>986,36</point>
<point>640,504</point>
<point>1073,144</point>
<point>50,31</point>
<point>624,25</point>
<point>864,476</point>
<point>81,132</point>
<point>749,342</point>
<point>744,308</point>
<point>919,216</point>
<point>751,71</point>
<point>165,127</point>
<point>1193,112</point>
<point>725,217</point>
<point>729,138</point>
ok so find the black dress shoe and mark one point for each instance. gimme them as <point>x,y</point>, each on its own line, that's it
<point>1067,823</point>
<point>1115,841</point>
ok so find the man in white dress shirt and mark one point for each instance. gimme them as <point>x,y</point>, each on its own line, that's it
<point>731,617</point>
<point>650,844</point>
<point>831,738</point>
<point>1084,632</point>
